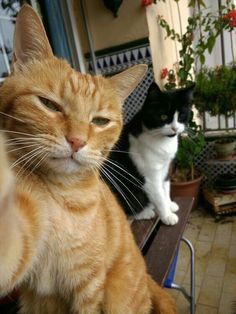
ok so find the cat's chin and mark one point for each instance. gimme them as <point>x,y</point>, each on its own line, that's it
<point>66,165</point>
<point>70,165</point>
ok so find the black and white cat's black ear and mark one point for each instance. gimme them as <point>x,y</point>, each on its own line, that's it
<point>30,39</point>
<point>190,91</point>
<point>154,87</point>
<point>126,81</point>
<point>154,90</point>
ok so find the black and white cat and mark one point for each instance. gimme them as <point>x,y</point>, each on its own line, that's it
<point>151,139</point>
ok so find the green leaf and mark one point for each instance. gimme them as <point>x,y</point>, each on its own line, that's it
<point>202,59</point>
<point>183,74</point>
<point>193,3</point>
<point>211,43</point>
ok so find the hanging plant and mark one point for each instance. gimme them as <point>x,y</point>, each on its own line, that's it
<point>113,6</point>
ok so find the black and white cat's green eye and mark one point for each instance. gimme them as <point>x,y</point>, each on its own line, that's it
<point>164,117</point>
<point>100,121</point>
<point>50,104</point>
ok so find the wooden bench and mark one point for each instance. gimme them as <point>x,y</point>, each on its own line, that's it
<point>159,244</point>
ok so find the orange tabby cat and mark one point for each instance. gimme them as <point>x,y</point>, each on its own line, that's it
<point>64,239</point>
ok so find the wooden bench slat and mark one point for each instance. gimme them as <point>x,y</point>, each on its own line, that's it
<point>162,250</point>
<point>142,230</point>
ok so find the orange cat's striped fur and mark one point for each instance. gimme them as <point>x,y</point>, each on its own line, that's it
<point>65,241</point>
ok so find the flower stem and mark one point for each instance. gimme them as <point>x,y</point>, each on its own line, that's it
<point>232,47</point>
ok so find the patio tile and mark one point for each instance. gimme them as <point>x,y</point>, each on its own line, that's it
<point>226,303</point>
<point>211,291</point>
<point>207,232</point>
<point>205,309</point>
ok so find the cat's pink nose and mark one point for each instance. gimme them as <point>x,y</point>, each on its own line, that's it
<point>76,143</point>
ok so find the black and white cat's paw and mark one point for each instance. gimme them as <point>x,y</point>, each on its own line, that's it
<point>170,219</point>
<point>174,207</point>
<point>147,213</point>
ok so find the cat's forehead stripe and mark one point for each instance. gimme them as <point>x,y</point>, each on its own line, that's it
<point>82,83</point>
<point>73,80</point>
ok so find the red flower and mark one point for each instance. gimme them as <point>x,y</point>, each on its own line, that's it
<point>231,17</point>
<point>164,73</point>
<point>145,3</point>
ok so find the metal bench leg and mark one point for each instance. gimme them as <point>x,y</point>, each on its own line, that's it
<point>190,297</point>
<point>192,275</point>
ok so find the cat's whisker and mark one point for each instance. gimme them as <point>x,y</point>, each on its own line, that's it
<point>37,140</point>
<point>22,147</point>
<point>16,132</point>
<point>18,143</point>
<point>118,151</point>
<point>118,189</point>
<point>188,130</point>
<point>154,132</point>
<point>122,183</point>
<point>102,179</point>
<point>101,190</point>
<point>123,176</point>
<point>24,157</point>
<point>29,160</point>
<point>39,163</point>
<point>10,116</point>
<point>22,139</point>
<point>112,162</point>
<point>126,188</point>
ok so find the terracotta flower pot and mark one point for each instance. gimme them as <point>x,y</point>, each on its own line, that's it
<point>188,188</point>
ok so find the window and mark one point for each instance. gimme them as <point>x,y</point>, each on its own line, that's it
<point>8,12</point>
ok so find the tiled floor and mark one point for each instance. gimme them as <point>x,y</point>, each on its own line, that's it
<point>215,247</point>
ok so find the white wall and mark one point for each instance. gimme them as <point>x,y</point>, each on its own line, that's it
<point>108,31</point>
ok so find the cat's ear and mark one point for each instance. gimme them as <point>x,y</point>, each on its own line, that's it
<point>125,82</point>
<point>189,91</point>
<point>30,39</point>
<point>154,88</point>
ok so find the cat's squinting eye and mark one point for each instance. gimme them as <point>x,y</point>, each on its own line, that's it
<point>164,117</point>
<point>50,104</point>
<point>100,121</point>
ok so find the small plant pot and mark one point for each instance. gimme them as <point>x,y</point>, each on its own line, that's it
<point>225,148</point>
<point>189,188</point>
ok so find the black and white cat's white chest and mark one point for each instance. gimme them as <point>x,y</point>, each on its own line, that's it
<point>152,154</point>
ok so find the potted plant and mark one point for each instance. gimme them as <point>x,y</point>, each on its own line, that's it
<point>225,148</point>
<point>199,37</point>
<point>215,94</point>
<point>186,178</point>
<point>215,90</point>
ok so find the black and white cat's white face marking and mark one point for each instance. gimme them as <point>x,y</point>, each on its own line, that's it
<point>168,111</point>
<point>173,128</point>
